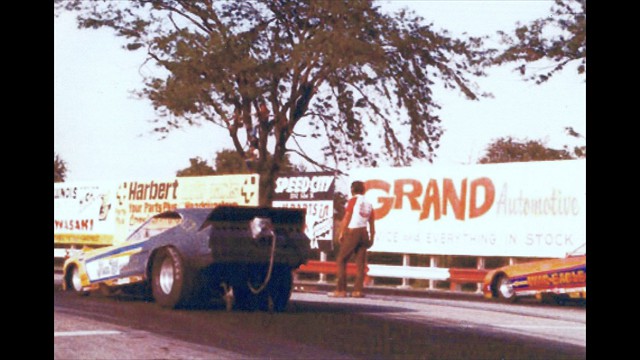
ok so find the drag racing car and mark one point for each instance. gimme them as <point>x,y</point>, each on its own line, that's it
<point>242,255</point>
<point>547,280</point>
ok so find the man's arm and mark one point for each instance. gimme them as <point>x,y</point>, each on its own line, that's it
<point>372,227</point>
<point>345,223</point>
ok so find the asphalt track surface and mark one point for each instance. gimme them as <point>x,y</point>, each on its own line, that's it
<point>315,327</point>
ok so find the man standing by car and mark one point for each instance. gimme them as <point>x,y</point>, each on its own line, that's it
<point>354,238</point>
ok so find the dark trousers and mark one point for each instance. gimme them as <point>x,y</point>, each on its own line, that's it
<point>355,242</point>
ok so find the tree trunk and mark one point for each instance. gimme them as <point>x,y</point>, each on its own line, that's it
<point>269,170</point>
<point>267,188</point>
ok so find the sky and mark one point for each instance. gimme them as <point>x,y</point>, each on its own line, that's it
<point>103,132</point>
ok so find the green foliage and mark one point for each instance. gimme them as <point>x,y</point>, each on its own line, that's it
<point>579,151</point>
<point>560,37</point>
<point>507,149</point>
<point>197,167</point>
<point>228,162</point>
<point>359,80</point>
<point>59,169</point>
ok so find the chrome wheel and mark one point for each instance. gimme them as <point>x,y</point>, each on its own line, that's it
<point>166,275</point>
<point>505,288</point>
<point>171,281</point>
<point>75,279</point>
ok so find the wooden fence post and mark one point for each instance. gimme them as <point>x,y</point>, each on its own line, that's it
<point>433,262</point>
<point>405,262</point>
<point>323,276</point>
<point>481,266</point>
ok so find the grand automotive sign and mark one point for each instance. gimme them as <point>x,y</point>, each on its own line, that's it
<point>528,209</point>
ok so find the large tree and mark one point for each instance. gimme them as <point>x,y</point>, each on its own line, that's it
<point>560,38</point>
<point>272,72</point>
<point>59,168</point>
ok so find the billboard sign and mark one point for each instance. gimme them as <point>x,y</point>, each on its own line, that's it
<point>104,213</point>
<point>526,209</point>
<point>314,192</point>
<point>83,213</point>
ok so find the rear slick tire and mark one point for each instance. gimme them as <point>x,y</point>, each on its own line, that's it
<point>170,281</point>
<point>280,288</point>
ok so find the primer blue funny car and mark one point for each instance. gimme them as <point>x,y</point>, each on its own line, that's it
<point>187,256</point>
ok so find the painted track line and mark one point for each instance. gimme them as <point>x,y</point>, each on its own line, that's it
<point>570,327</point>
<point>86,333</point>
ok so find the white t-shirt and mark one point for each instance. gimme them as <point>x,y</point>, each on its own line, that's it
<point>361,212</point>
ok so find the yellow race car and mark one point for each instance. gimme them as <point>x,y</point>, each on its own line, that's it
<point>557,279</point>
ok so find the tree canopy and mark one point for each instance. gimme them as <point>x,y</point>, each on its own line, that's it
<point>508,149</point>
<point>228,162</point>
<point>272,72</point>
<point>59,168</point>
<point>580,152</point>
<point>197,167</point>
<point>560,37</point>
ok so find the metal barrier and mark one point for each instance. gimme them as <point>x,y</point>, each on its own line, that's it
<point>456,276</point>
<point>461,276</point>
<point>408,272</point>
<point>330,267</point>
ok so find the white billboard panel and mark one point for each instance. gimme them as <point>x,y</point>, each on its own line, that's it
<point>103,213</point>
<point>83,212</point>
<point>528,209</point>
<point>313,191</point>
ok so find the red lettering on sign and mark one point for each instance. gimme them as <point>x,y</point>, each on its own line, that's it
<point>489,196</point>
<point>412,196</point>
<point>458,204</point>
<point>386,202</point>
<point>73,224</point>
<point>431,198</point>
<point>436,200</point>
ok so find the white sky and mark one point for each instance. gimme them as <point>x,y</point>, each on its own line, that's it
<point>103,133</point>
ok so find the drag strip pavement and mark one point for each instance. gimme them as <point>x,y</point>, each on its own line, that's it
<point>78,337</point>
<point>315,326</point>
<point>566,324</point>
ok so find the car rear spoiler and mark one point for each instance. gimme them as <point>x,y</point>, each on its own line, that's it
<point>244,213</point>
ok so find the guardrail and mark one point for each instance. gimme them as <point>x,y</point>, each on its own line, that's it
<point>461,276</point>
<point>330,268</point>
<point>456,276</point>
<point>408,272</point>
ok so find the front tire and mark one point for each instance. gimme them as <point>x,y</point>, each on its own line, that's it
<point>73,281</point>
<point>504,289</point>
<point>170,281</point>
